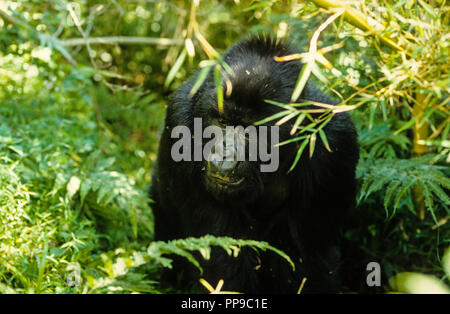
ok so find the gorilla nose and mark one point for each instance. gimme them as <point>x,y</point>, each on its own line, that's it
<point>221,165</point>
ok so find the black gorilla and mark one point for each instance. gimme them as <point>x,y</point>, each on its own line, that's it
<point>299,212</point>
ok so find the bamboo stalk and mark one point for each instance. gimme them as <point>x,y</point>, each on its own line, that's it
<point>420,130</point>
<point>420,133</point>
<point>124,40</point>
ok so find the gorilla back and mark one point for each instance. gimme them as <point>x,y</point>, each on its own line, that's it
<point>298,211</point>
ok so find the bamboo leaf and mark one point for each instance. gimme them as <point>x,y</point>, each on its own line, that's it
<point>428,9</point>
<point>200,79</point>
<point>273,117</point>
<point>323,137</point>
<point>301,81</point>
<point>298,121</point>
<point>296,139</point>
<point>286,118</point>
<point>312,144</point>
<point>176,66</point>
<point>299,153</point>
<point>279,104</point>
<point>219,87</point>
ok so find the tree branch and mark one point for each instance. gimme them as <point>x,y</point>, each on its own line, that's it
<point>12,20</point>
<point>124,40</point>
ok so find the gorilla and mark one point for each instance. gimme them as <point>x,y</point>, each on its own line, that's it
<point>300,212</point>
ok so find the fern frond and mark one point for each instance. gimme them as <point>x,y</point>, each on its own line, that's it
<point>390,190</point>
<point>396,179</point>
<point>203,245</point>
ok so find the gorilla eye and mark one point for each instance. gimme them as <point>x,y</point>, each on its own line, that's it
<point>222,122</point>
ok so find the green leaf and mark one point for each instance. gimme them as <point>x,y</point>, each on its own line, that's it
<point>86,186</point>
<point>440,193</point>
<point>298,121</point>
<point>406,125</point>
<point>176,66</point>
<point>261,4</point>
<point>273,117</point>
<point>428,197</point>
<point>323,137</point>
<point>312,144</point>
<point>299,153</point>
<point>225,66</point>
<point>318,73</point>
<point>429,9</point>
<point>219,88</point>
<point>446,261</point>
<point>200,79</point>
<point>390,190</point>
<point>279,104</point>
<point>295,139</point>
<point>373,110</point>
<point>402,192</point>
<point>301,81</point>
<point>101,193</point>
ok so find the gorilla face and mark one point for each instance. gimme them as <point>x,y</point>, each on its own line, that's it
<point>228,172</point>
<point>244,161</point>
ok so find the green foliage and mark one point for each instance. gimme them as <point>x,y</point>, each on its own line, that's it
<point>183,247</point>
<point>398,177</point>
<point>383,143</point>
<point>54,184</point>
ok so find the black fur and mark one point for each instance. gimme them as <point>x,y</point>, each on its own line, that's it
<point>299,212</point>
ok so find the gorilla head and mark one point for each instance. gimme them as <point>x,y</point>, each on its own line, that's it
<point>245,162</point>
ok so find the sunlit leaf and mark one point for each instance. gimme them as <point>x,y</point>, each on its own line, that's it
<point>73,186</point>
<point>219,87</point>
<point>312,144</point>
<point>416,283</point>
<point>175,68</point>
<point>200,79</point>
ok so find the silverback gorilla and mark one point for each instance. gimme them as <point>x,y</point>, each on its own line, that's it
<point>299,211</point>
